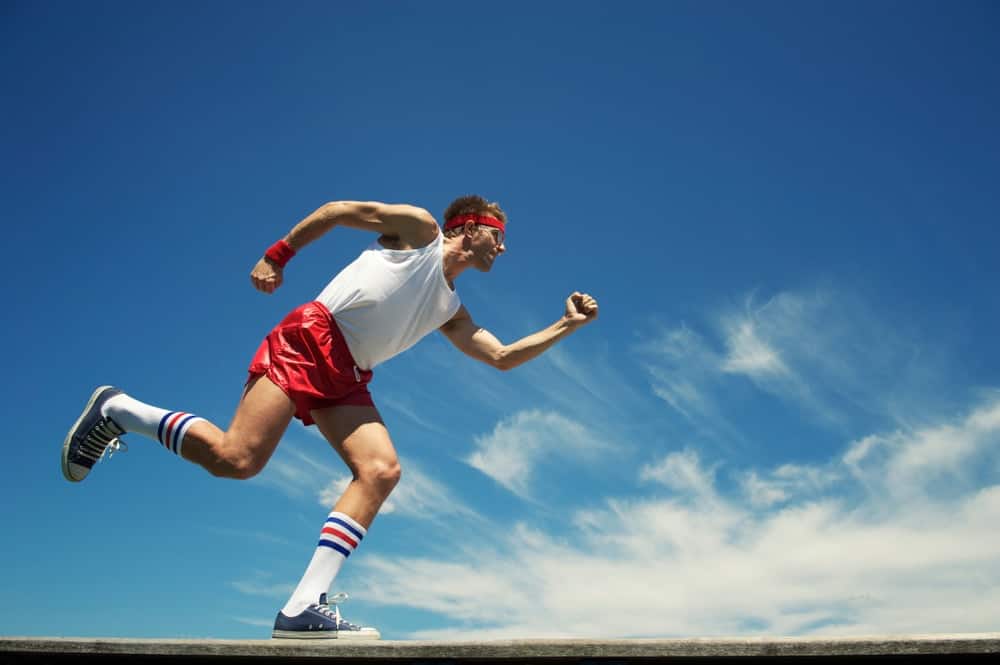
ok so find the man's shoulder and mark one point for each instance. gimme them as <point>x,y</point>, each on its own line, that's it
<point>415,227</point>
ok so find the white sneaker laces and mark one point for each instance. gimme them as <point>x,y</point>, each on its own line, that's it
<point>103,440</point>
<point>334,614</point>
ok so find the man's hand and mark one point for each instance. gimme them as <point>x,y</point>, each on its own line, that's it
<point>581,308</point>
<point>266,276</point>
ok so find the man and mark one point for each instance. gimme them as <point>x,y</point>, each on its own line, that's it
<point>316,365</point>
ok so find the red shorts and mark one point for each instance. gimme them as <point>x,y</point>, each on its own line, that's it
<point>306,356</point>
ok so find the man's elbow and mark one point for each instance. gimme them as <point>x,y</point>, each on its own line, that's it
<point>341,209</point>
<point>502,361</point>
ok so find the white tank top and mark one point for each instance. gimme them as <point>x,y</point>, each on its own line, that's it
<point>386,300</point>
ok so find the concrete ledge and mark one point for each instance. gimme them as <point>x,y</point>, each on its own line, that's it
<point>944,647</point>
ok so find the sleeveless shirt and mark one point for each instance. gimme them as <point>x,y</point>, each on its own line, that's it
<point>386,300</point>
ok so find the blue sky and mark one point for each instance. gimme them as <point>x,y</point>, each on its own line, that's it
<point>785,422</point>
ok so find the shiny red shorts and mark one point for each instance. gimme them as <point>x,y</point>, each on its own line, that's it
<point>306,356</point>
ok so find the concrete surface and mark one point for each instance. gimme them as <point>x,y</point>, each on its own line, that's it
<point>887,647</point>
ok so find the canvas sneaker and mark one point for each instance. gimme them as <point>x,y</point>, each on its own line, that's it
<point>320,621</point>
<point>91,437</point>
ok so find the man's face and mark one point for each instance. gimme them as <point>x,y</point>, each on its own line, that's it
<point>487,245</point>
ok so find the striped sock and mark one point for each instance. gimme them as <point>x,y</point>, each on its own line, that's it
<point>167,427</point>
<point>339,537</point>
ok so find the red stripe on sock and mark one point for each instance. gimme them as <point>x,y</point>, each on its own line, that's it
<point>170,428</point>
<point>339,534</point>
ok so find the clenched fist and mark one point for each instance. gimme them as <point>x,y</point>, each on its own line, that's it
<point>581,308</point>
<point>266,276</point>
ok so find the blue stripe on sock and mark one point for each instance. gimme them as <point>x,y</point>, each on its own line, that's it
<point>337,520</point>
<point>159,431</point>
<point>177,433</point>
<point>340,548</point>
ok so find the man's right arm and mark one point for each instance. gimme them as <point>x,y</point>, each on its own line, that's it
<point>409,227</point>
<point>479,343</point>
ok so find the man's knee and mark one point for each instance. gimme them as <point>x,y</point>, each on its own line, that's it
<point>237,461</point>
<point>237,469</point>
<point>248,468</point>
<point>383,473</point>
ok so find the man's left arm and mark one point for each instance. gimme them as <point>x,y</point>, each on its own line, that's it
<point>481,344</point>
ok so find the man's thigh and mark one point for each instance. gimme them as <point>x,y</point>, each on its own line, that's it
<point>357,433</point>
<point>261,418</point>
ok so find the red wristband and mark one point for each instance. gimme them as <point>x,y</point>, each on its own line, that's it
<point>280,252</point>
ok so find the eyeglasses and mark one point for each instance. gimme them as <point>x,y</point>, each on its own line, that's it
<point>497,234</point>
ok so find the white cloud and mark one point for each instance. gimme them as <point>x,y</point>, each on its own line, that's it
<point>749,354</point>
<point>778,346</point>
<point>681,472</point>
<point>685,373</point>
<point>786,482</point>
<point>295,472</point>
<point>909,465</point>
<point>833,355</point>
<point>819,350</point>
<point>581,384</point>
<point>835,557</point>
<point>682,369</point>
<point>244,534</point>
<point>260,585</point>
<point>401,406</point>
<point>682,394</point>
<point>257,623</point>
<point>510,454</point>
<point>466,592</point>
<point>337,486</point>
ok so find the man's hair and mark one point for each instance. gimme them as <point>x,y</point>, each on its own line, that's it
<point>472,204</point>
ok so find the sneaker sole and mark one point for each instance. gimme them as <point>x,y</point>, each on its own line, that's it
<point>72,431</point>
<point>322,635</point>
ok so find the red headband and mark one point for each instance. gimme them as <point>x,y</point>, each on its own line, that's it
<point>485,220</point>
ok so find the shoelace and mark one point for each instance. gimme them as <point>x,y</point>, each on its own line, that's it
<point>335,612</point>
<point>103,440</point>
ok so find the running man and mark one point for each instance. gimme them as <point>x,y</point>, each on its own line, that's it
<point>316,364</point>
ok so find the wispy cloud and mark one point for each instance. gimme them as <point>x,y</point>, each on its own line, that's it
<point>257,623</point>
<point>786,482</point>
<point>510,454</point>
<point>243,534</point>
<point>788,345</point>
<point>260,584</point>
<point>831,549</point>
<point>297,473</point>
<point>578,385</point>
<point>821,351</point>
<point>909,466</point>
<point>832,354</point>
<point>681,472</point>
<point>579,378</point>
<point>685,371</point>
<point>409,411</point>
<point>749,354</point>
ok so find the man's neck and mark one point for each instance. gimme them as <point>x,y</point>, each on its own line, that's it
<point>455,259</point>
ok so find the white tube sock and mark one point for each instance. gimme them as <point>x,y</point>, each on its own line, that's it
<point>339,537</point>
<point>167,427</point>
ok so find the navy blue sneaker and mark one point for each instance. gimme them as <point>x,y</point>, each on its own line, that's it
<point>91,437</point>
<point>318,621</point>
